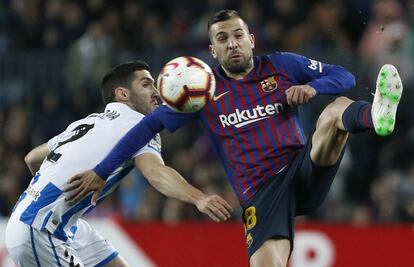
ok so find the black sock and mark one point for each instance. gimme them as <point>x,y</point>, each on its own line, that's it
<point>357,117</point>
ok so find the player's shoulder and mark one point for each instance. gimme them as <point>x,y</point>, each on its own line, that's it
<point>121,116</point>
<point>117,113</point>
<point>77,123</point>
<point>116,109</point>
<point>116,116</point>
<point>281,57</point>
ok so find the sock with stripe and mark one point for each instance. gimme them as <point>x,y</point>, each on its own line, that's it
<point>357,117</point>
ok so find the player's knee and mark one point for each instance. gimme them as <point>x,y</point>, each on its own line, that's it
<point>337,107</point>
<point>273,253</point>
<point>332,114</point>
<point>342,100</point>
<point>327,118</point>
<point>118,262</point>
<point>270,262</point>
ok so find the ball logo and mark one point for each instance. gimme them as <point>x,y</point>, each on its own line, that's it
<point>174,65</point>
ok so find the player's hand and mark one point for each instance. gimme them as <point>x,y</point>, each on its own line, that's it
<point>299,94</point>
<point>81,184</point>
<point>215,207</point>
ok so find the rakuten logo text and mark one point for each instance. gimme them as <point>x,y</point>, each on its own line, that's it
<point>240,118</point>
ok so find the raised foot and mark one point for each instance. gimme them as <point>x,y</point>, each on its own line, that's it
<point>387,97</point>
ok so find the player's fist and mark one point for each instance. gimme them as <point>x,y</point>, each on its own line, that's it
<point>299,94</point>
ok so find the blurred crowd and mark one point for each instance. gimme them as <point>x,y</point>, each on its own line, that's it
<point>54,53</point>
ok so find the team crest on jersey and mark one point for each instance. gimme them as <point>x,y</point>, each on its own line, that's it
<point>269,84</point>
<point>249,240</point>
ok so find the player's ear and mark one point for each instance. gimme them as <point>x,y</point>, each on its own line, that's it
<point>212,51</point>
<point>121,94</point>
<point>252,40</point>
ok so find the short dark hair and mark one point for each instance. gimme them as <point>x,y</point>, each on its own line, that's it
<point>120,75</point>
<point>223,15</point>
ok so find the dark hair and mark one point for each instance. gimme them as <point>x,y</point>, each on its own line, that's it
<point>223,15</point>
<point>120,75</point>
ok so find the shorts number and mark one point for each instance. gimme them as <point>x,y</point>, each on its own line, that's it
<point>250,217</point>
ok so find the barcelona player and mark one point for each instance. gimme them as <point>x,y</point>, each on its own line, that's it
<point>253,122</point>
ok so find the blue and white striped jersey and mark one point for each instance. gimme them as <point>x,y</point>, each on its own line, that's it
<point>80,147</point>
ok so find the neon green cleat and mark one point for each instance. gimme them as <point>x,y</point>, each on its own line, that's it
<point>386,99</point>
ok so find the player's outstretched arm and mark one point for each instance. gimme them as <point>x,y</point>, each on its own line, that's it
<point>170,183</point>
<point>81,184</point>
<point>35,157</point>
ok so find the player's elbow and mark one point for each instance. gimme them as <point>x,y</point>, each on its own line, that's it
<point>30,159</point>
<point>344,78</point>
<point>349,80</point>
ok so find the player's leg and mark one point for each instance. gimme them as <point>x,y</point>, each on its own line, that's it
<point>269,218</point>
<point>93,249</point>
<point>30,247</point>
<point>344,116</point>
<point>18,243</point>
<point>330,135</point>
<point>117,262</point>
<point>273,253</point>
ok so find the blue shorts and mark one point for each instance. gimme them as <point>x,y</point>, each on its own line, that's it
<point>297,190</point>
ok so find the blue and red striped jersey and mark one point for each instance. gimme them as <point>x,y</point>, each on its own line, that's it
<point>255,132</point>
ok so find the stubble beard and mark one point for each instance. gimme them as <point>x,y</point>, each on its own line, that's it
<point>240,67</point>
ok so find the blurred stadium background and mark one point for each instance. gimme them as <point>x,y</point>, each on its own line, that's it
<point>53,54</point>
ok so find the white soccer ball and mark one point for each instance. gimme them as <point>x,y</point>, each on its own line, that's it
<point>186,84</point>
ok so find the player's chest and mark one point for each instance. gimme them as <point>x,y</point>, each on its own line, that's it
<point>246,103</point>
<point>258,92</point>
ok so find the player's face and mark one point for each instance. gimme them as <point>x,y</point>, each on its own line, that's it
<point>232,45</point>
<point>143,95</point>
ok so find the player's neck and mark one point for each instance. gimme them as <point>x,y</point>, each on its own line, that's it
<point>128,104</point>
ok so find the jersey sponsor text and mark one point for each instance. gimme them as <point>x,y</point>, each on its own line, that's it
<point>240,118</point>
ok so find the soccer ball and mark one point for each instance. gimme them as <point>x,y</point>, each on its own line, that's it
<point>186,84</point>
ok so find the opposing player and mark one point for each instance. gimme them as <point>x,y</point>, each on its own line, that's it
<point>44,230</point>
<point>253,122</point>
